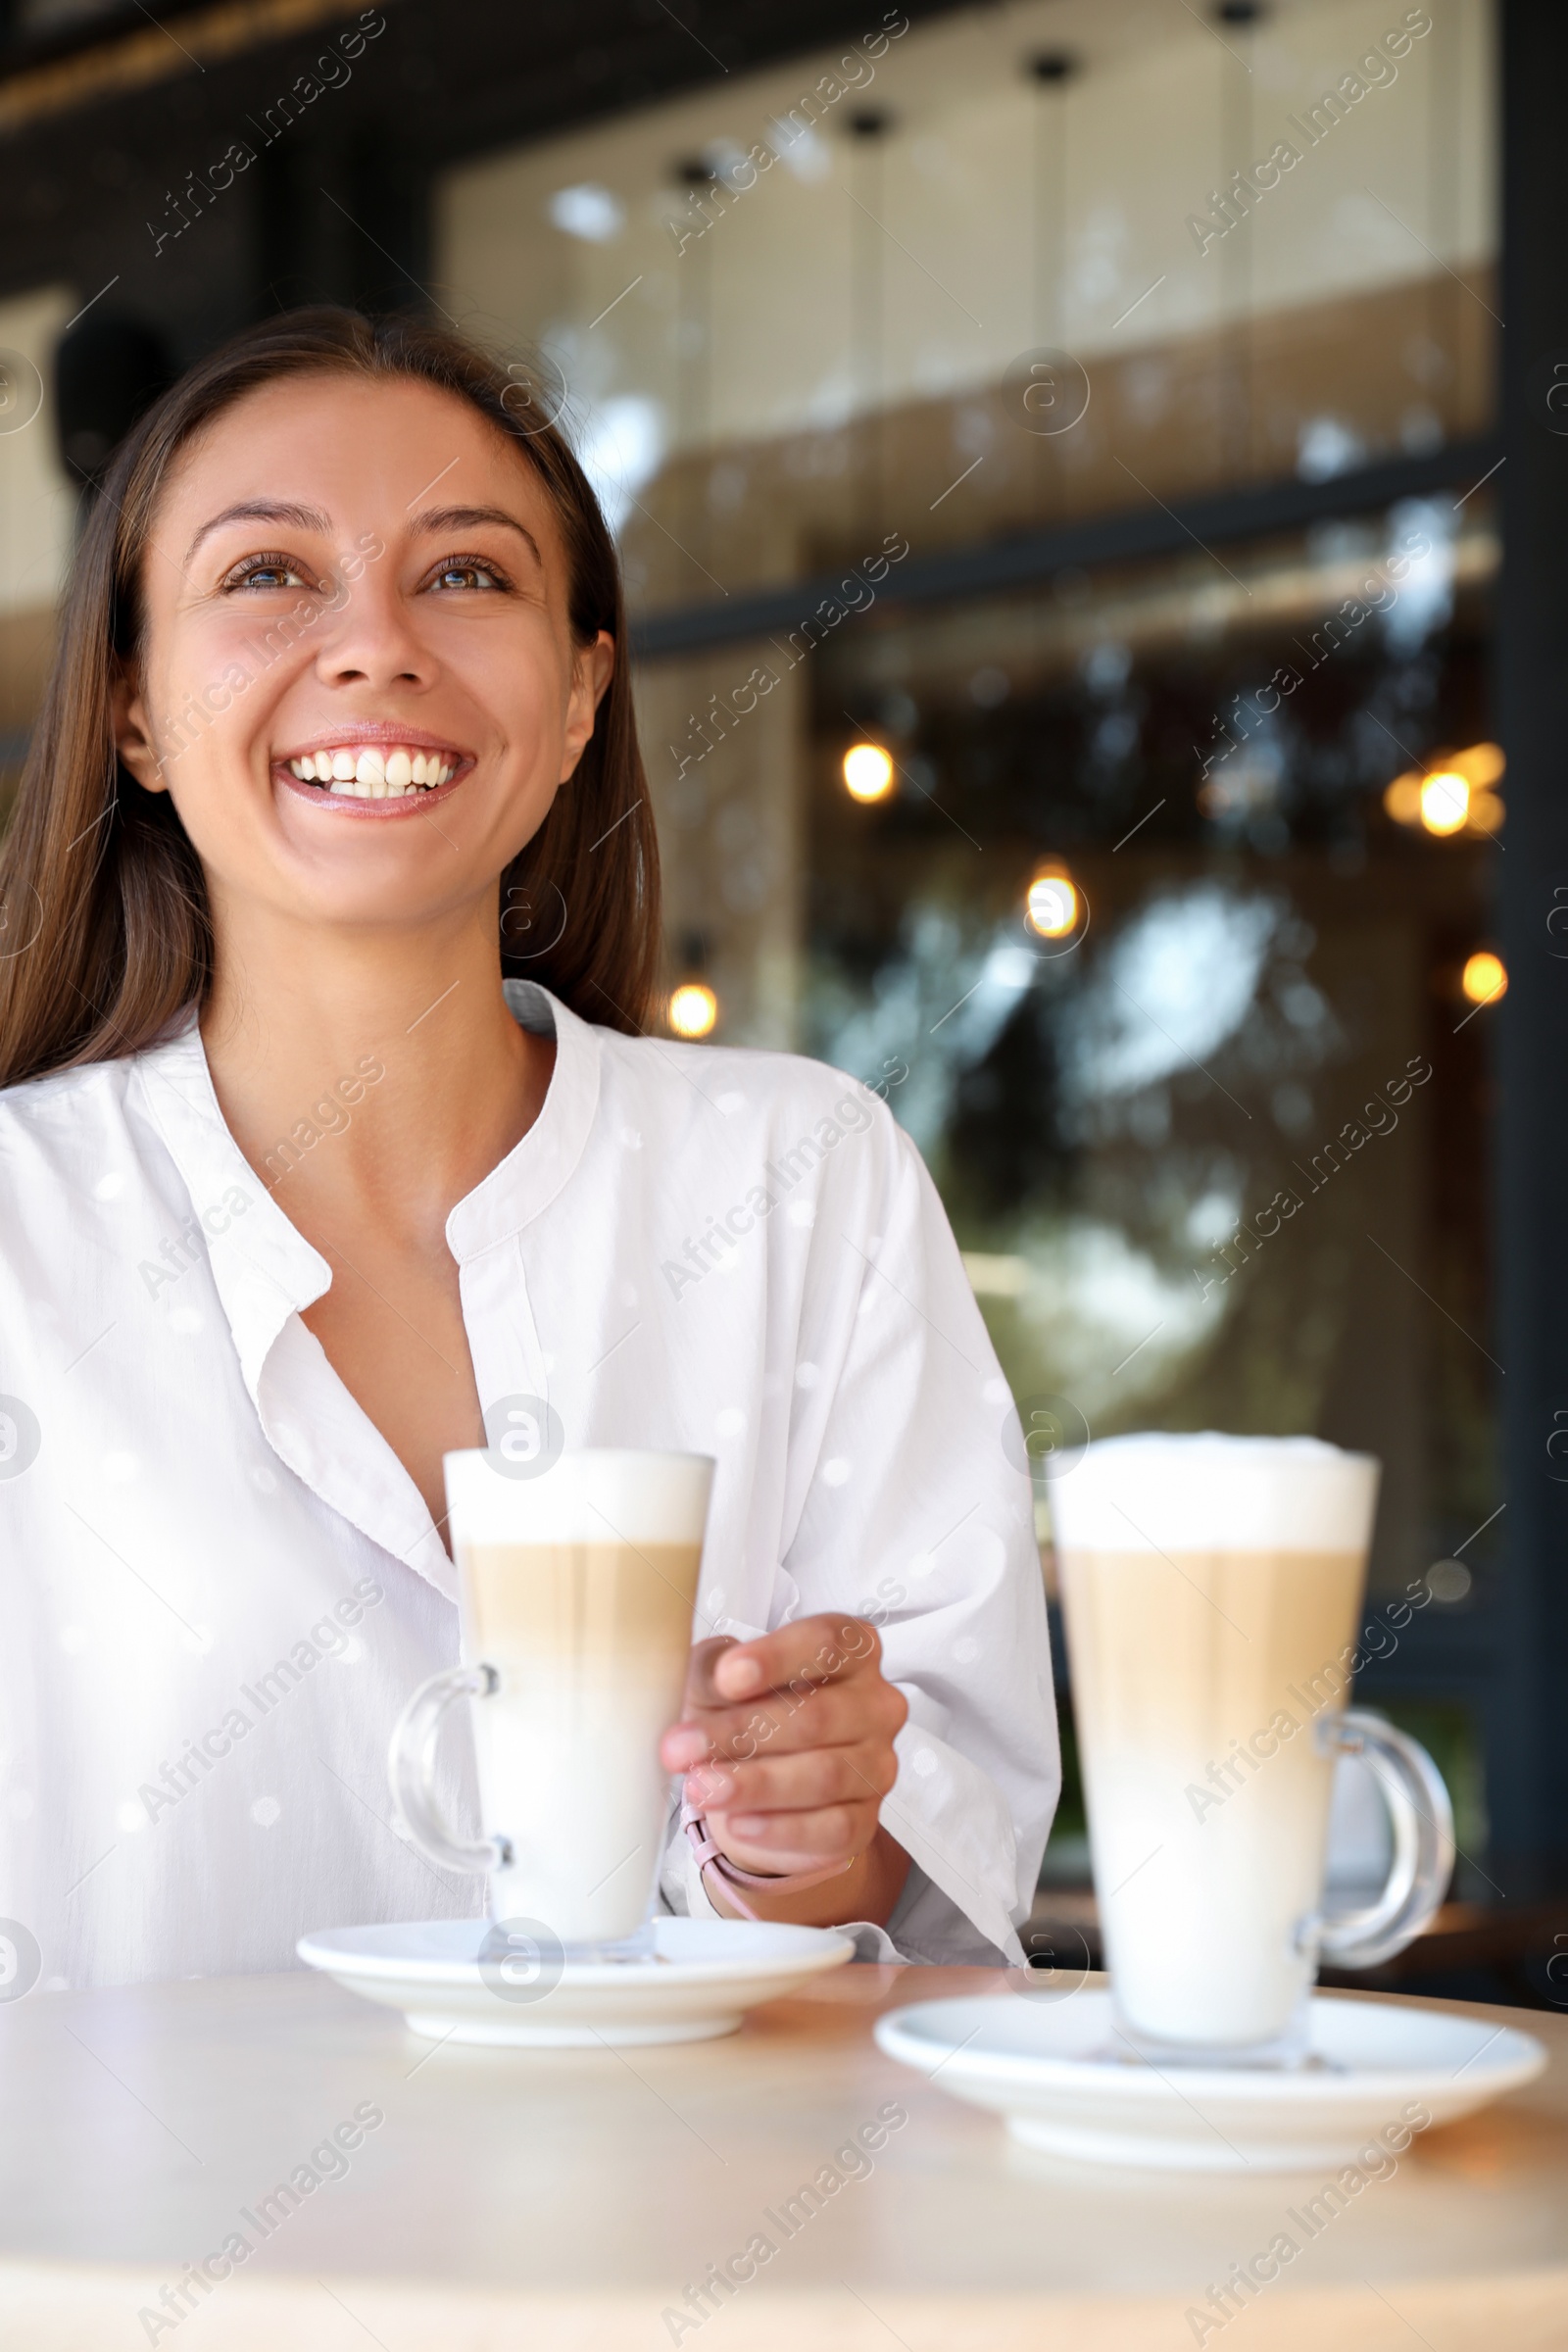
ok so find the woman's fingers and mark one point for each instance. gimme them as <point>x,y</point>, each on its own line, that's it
<point>820,1705</point>
<point>861,1773</point>
<point>830,1718</point>
<point>700,1688</point>
<point>783,1843</point>
<point>813,1649</point>
<point>796,1658</point>
<point>787,1743</point>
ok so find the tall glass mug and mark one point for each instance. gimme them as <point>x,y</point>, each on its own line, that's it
<point>577,1591</point>
<point>1213,1590</point>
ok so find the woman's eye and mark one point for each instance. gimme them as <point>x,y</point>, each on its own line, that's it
<point>466,575</point>
<point>268,572</point>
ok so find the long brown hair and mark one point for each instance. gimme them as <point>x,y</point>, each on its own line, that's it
<point>105,932</point>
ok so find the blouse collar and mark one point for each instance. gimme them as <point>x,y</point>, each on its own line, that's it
<point>264,1268</point>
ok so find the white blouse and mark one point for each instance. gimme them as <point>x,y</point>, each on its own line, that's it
<point>219,1585</point>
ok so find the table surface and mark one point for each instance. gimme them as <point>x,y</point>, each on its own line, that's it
<point>567,2198</point>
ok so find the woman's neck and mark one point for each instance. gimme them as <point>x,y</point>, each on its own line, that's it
<point>369,1075</point>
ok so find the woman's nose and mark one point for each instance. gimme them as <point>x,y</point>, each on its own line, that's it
<point>372,638</point>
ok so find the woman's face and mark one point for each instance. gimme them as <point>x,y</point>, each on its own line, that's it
<point>358,681</point>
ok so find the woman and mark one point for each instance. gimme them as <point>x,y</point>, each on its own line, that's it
<point>297,1196</point>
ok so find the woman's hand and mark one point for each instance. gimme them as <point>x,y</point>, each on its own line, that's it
<point>787,1746</point>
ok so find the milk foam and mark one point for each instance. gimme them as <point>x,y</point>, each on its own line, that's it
<point>589,1497</point>
<point>1207,1493</point>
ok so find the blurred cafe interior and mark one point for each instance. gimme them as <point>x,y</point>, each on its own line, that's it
<point>1063,468</point>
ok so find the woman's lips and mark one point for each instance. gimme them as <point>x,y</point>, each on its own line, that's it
<point>386,778</point>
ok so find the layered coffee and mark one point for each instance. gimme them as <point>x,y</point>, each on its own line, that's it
<point>591,1642</point>
<point>578,1587</point>
<point>1212,1588</point>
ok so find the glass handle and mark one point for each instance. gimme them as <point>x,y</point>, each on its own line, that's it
<point>411,1764</point>
<point>1422,1819</point>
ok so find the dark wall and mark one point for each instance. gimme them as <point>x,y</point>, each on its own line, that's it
<point>1528,1794</point>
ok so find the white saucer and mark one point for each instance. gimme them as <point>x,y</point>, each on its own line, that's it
<point>1043,2062</point>
<point>706,1974</point>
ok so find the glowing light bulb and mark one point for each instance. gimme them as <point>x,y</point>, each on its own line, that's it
<point>868,773</point>
<point>1053,905</point>
<point>1484,977</point>
<point>693,1009</point>
<point>1445,801</point>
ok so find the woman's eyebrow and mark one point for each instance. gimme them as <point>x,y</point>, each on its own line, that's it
<point>262,509</point>
<point>462,518</point>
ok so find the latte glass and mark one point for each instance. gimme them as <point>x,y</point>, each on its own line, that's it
<point>577,1585</point>
<point>1214,1589</point>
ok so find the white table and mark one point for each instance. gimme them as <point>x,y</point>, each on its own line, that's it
<point>536,2200</point>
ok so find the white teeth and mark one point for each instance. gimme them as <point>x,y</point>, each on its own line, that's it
<point>371,774</point>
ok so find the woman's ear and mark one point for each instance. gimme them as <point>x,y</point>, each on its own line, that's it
<point>593,667</point>
<point>601,657</point>
<point>133,739</point>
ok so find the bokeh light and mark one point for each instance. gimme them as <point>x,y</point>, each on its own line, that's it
<point>1484,977</point>
<point>1053,905</point>
<point>1445,801</point>
<point>1483,765</point>
<point>868,773</point>
<point>1402,798</point>
<point>1457,795</point>
<point>693,1009</point>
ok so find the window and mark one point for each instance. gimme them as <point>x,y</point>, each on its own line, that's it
<point>1079,421</point>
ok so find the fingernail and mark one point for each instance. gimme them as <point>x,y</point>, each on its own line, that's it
<point>739,1675</point>
<point>685,1747</point>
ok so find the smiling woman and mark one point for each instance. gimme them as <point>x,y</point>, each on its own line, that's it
<point>338,731</point>
<point>125,937</point>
